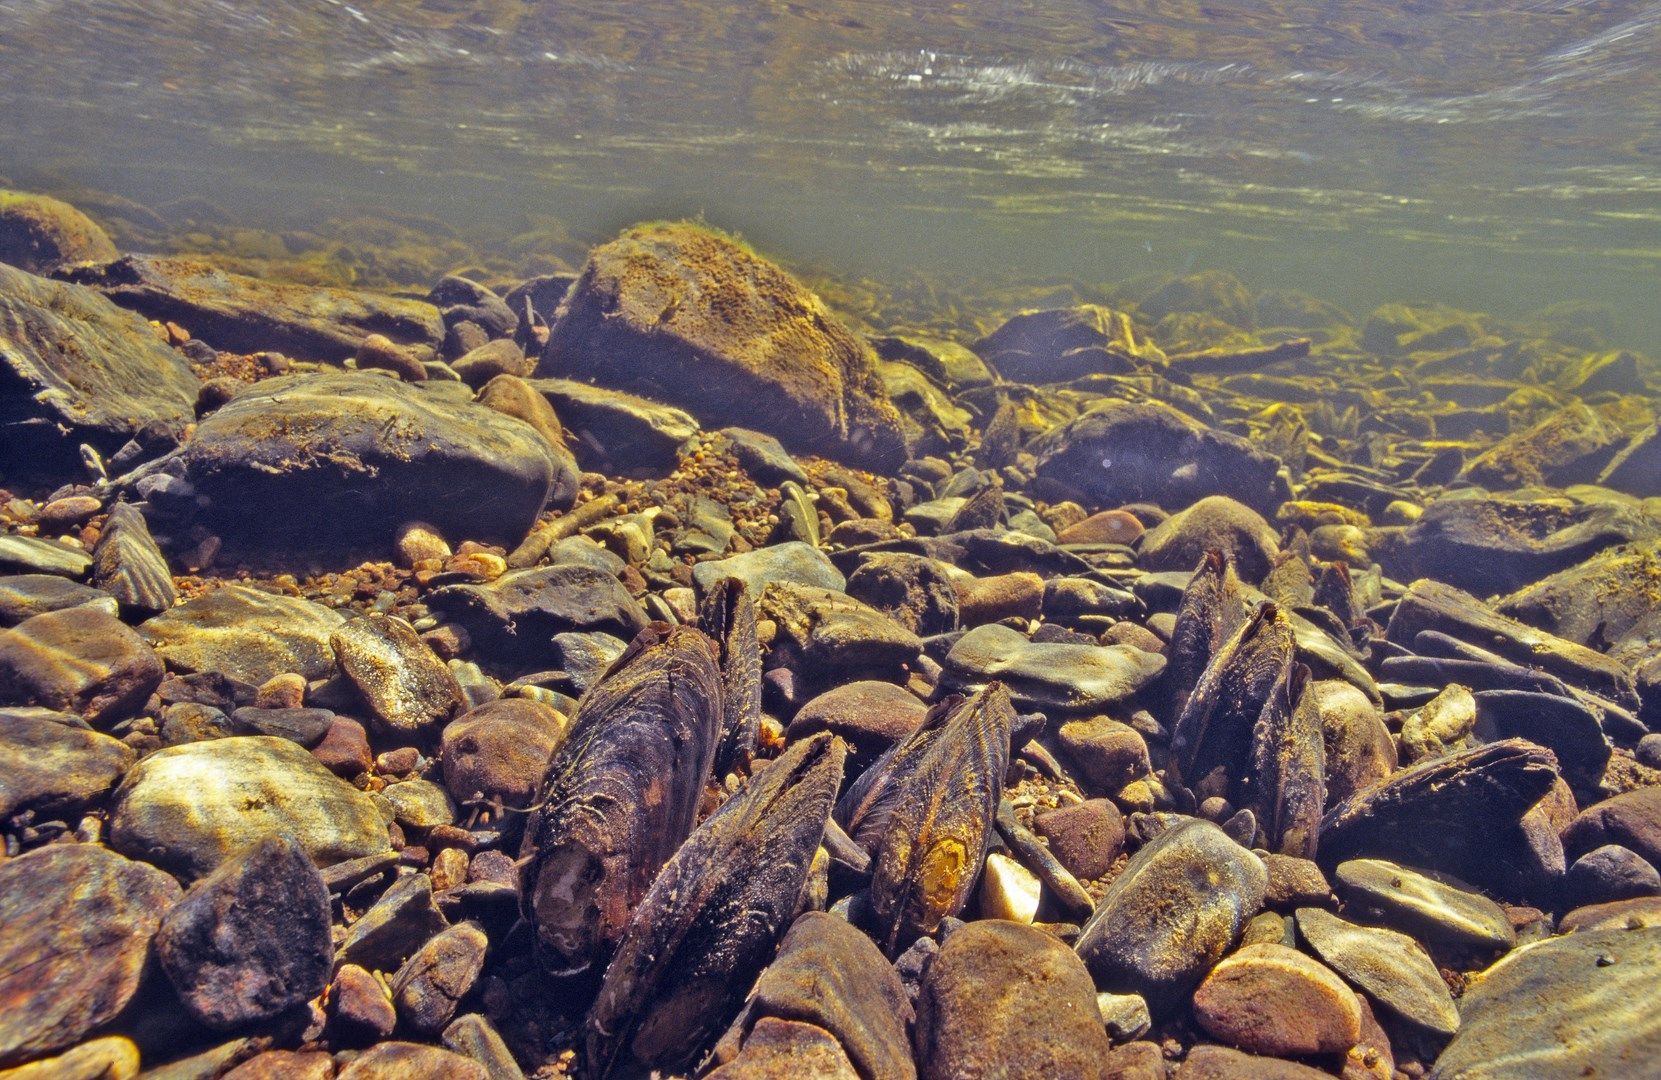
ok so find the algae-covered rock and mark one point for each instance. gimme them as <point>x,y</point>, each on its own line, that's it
<point>1569,446</point>
<point>245,314</point>
<point>689,316</point>
<point>1062,344</point>
<point>39,233</point>
<point>74,368</point>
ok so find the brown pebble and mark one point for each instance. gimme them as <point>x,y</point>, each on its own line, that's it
<point>1107,527</point>
<point>398,762</point>
<point>990,599</point>
<point>379,351</point>
<point>449,869</point>
<point>1085,837</point>
<point>493,866</point>
<point>345,748</point>
<point>285,1065</point>
<point>61,515</point>
<point>1129,633</point>
<point>418,541</point>
<point>1134,1061</point>
<point>285,691</point>
<point>360,1009</point>
<point>1269,999</point>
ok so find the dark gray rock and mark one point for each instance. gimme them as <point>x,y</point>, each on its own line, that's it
<point>1069,678</point>
<point>1062,344</point>
<point>388,933</point>
<point>1636,467</point>
<point>1176,908</point>
<point>247,634</point>
<point>515,616</point>
<point>304,726</point>
<point>1631,819</point>
<point>616,431</point>
<point>1609,873</point>
<point>250,940</point>
<point>129,566</point>
<point>794,562</point>
<point>313,459</point>
<point>189,808</point>
<point>74,359</point>
<point>1215,523</point>
<point>835,636</point>
<point>24,595</point>
<point>244,314</point>
<point>914,590</point>
<point>761,455</point>
<point>63,976</point>
<point>81,660</point>
<point>56,767</point>
<point>1123,452</point>
<point>686,313</point>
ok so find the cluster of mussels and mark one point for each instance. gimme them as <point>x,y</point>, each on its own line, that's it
<point>636,671</point>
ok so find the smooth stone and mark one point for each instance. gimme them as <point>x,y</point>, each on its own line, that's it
<point>250,940</point>
<point>430,984</point>
<point>1269,999</point>
<point>685,312</point>
<point>1008,890</point>
<point>1005,596</point>
<point>1424,907</point>
<point>63,976</point>
<point>1226,1063</point>
<point>1215,523</point>
<point>406,686</point>
<point>74,360</point>
<point>419,804</point>
<point>25,595</point>
<point>32,555</point>
<point>1104,527</point>
<point>871,715</point>
<point>411,1061</point>
<point>285,1065</point>
<point>189,808</point>
<point>308,727</point>
<point>53,768</point>
<point>515,616</point>
<point>396,926</point>
<point>1085,837</point>
<point>344,748</point>
<point>1635,466</point>
<point>616,431</point>
<point>1564,1009</point>
<point>81,660</point>
<point>779,1049</point>
<point>362,454</point>
<point>247,634</point>
<point>832,975</point>
<point>762,456</point>
<point>1175,909</point>
<point>500,356</point>
<point>1058,345</point>
<point>1108,754</point>
<point>360,1009</point>
<point>1126,1016</point>
<point>794,563</point>
<point>244,314</point>
<point>1607,874</point>
<point>1392,969</point>
<point>1068,678</point>
<point>1002,1000</point>
<point>585,657</point>
<point>1069,599</point>
<point>834,635</point>
<point>1631,819</point>
<point>129,566</point>
<point>1631,914</point>
<point>500,750</point>
<point>915,591</point>
<point>472,1036</point>
<point>113,1057</point>
<point>39,233</point>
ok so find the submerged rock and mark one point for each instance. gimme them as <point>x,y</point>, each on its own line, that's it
<point>50,765</point>
<point>1071,678</point>
<point>39,233</point>
<point>80,660</point>
<point>1392,969</point>
<point>247,634</point>
<point>698,319</point>
<point>1063,344</point>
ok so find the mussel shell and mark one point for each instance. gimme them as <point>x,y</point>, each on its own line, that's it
<point>728,616</point>
<point>620,794</point>
<point>1287,788</point>
<point>1214,732</point>
<point>713,917</point>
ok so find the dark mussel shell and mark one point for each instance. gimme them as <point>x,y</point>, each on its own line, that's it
<point>620,794</point>
<point>1213,734</point>
<point>1287,787</point>
<point>713,917</point>
<point>728,616</point>
<point>925,811</point>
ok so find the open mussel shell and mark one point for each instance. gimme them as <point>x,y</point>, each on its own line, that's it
<point>925,811</point>
<point>728,616</point>
<point>713,917</point>
<point>1287,786</point>
<point>620,794</point>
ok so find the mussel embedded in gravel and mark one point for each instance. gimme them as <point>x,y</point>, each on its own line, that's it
<point>1287,787</point>
<point>620,794</point>
<point>728,616</point>
<point>698,939</point>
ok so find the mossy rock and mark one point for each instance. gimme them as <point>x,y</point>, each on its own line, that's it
<point>39,233</point>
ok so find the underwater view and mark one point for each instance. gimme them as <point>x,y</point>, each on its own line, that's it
<point>859,541</point>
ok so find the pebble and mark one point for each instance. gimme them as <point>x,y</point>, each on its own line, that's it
<point>1269,999</point>
<point>1108,754</point>
<point>993,599</point>
<point>871,715</point>
<point>69,512</point>
<point>360,1009</point>
<point>129,566</point>
<point>1392,969</point>
<point>500,750</point>
<point>1226,1063</point>
<point>1631,819</point>
<point>1423,906</point>
<point>430,984</point>
<point>1105,527</point>
<point>419,542</point>
<point>406,686</point>
<point>399,923</point>
<point>1609,873</point>
<point>1085,837</point>
<point>188,808</point>
<point>1175,909</point>
<point>779,1049</point>
<point>1067,678</point>
<point>344,748</point>
<point>419,804</point>
<point>1008,890</point>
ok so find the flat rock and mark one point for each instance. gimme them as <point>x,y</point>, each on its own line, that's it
<point>1070,678</point>
<point>1063,344</point>
<point>1392,969</point>
<point>1173,911</point>
<point>251,939</point>
<point>1269,999</point>
<point>56,768</point>
<point>500,750</point>
<point>787,1050</point>
<point>25,595</point>
<point>31,554</point>
<point>687,314</point>
<point>243,314</point>
<point>1000,1000</point>
<point>615,430</point>
<point>189,808</point>
<point>74,359</point>
<point>411,1061</point>
<point>516,616</point>
<point>794,562</point>
<point>1564,1009</point>
<point>61,977</point>
<point>404,683</point>
<point>1424,907</point>
<point>80,660</point>
<point>835,635</point>
<point>113,1057</point>
<point>400,922</point>
<point>1226,1063</point>
<point>247,634</point>
<point>362,454</point>
<point>1123,452</point>
<point>1606,602</point>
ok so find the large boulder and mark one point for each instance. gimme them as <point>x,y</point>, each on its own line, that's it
<point>74,368</point>
<point>334,457</point>
<point>244,314</point>
<point>39,233</point>
<point>1122,452</point>
<point>688,316</point>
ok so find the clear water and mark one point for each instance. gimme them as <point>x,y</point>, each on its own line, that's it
<point>1495,156</point>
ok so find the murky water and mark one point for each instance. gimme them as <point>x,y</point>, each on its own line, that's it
<point>1491,155</point>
